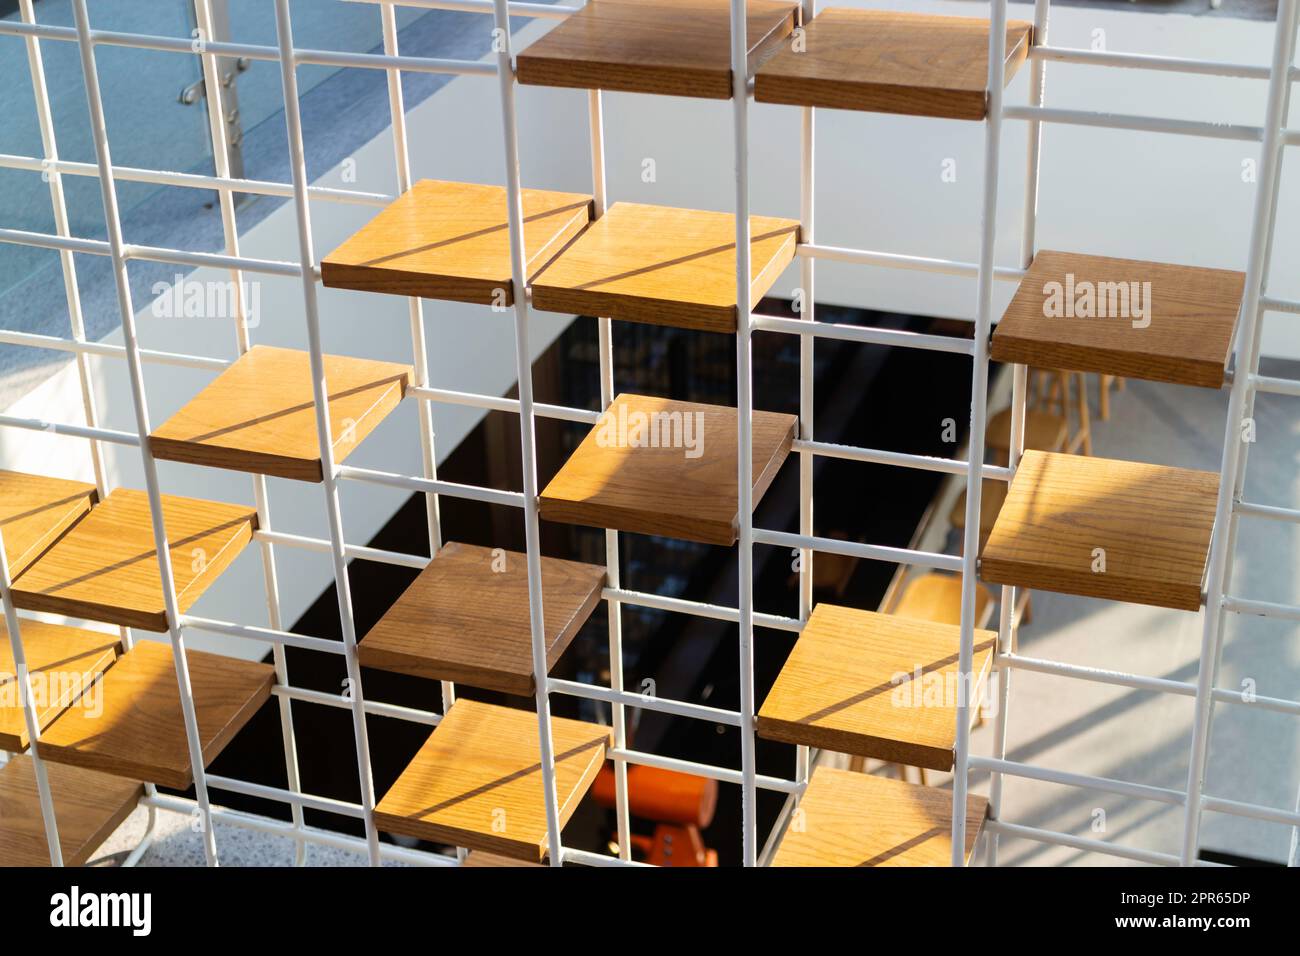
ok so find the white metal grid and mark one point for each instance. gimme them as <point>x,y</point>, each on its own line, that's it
<point>1246,382</point>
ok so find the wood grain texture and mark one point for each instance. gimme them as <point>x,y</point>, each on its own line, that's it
<point>935,596</point>
<point>875,685</point>
<point>106,568</point>
<point>1192,312</point>
<point>444,240</point>
<point>1152,522</point>
<point>888,62</point>
<point>136,728</point>
<point>259,415</point>
<point>465,618</point>
<point>477,780</point>
<point>479,860</point>
<point>855,819</point>
<point>670,47</point>
<point>63,661</point>
<point>88,806</point>
<point>611,482</point>
<point>992,498</point>
<point>1044,431</point>
<point>664,266</point>
<point>35,511</point>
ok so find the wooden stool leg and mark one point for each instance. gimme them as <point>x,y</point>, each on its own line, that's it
<point>1103,403</point>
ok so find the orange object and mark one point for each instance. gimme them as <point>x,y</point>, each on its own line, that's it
<point>678,803</point>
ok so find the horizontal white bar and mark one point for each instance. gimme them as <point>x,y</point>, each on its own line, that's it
<point>854,549</point>
<point>492,496</point>
<point>54,343</point>
<point>1144,61</point>
<point>587,858</point>
<point>1276,386</point>
<point>254,633</point>
<point>1086,781</point>
<point>98,247</point>
<point>1253,810</point>
<point>323,546</point>
<point>539,10</point>
<point>73,431</point>
<point>45,240</point>
<point>395,711</point>
<point>325,804</point>
<point>582,415</point>
<point>1270,304</point>
<point>162,177</point>
<point>679,708</point>
<point>1266,511</point>
<point>720,774</point>
<point>896,260</point>
<point>714,612</point>
<point>864,334</point>
<point>1149,124</point>
<point>1081,843</point>
<point>878,456</point>
<point>1237,605</point>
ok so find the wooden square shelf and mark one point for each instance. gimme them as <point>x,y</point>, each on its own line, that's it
<point>1065,514</point>
<point>664,266</point>
<point>655,466</point>
<point>259,415</point>
<point>855,819</point>
<point>35,511</point>
<point>888,62</point>
<point>89,806</point>
<point>466,618</point>
<point>136,729</point>
<point>451,241</point>
<point>670,47</point>
<point>1079,312</point>
<point>875,685</point>
<point>477,780</point>
<point>936,596</point>
<point>63,661</point>
<point>106,568</point>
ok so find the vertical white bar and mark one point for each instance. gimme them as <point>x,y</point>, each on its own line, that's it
<point>298,167</point>
<point>1247,360</point>
<point>527,436</point>
<point>605,331</point>
<point>744,433</point>
<point>122,281</point>
<point>979,414</point>
<point>270,580</point>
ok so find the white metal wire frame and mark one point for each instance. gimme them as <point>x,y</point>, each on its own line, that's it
<point>1246,383</point>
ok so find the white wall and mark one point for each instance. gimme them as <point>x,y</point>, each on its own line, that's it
<point>879,186</point>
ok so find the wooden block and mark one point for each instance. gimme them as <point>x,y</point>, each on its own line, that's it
<point>479,859</point>
<point>875,685</point>
<point>1078,312</point>
<point>35,511</point>
<point>855,819</point>
<point>1044,431</point>
<point>466,618</point>
<point>655,466</point>
<point>936,597</point>
<point>888,62</point>
<point>451,241</point>
<point>664,266</point>
<point>1152,523</point>
<point>106,568</point>
<point>992,498</point>
<point>88,806</point>
<point>259,415</point>
<point>137,729</point>
<point>670,47</point>
<point>63,662</point>
<point>477,780</point>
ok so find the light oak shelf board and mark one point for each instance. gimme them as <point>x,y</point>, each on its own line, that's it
<point>465,618</point>
<point>88,806</point>
<point>35,511</point>
<point>137,730</point>
<point>259,415</point>
<point>669,47</point>
<point>936,596</point>
<point>1184,335</point>
<point>664,266</point>
<point>477,780</point>
<point>888,62</point>
<point>1044,431</point>
<point>1151,523</point>
<point>451,241</point>
<point>106,568</point>
<point>63,661</point>
<point>855,819</point>
<point>875,685</point>
<point>679,489</point>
